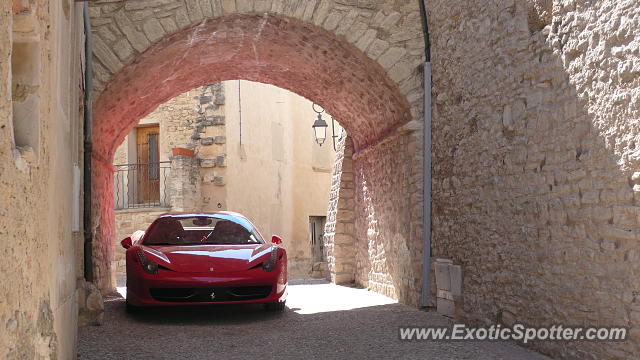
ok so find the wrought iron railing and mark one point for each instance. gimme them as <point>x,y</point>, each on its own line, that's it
<point>141,185</point>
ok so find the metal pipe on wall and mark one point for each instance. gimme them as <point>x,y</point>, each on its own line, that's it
<point>426,189</point>
<point>88,147</point>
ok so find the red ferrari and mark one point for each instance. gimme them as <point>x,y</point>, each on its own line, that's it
<point>204,258</point>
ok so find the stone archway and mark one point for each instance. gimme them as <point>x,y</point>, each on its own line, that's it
<point>380,212</point>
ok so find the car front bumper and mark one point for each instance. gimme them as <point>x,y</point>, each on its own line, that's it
<point>168,288</point>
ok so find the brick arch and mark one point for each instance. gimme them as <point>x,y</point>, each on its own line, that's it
<point>271,49</point>
<point>307,60</point>
<point>388,32</point>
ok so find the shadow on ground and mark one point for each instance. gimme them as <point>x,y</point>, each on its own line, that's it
<point>323,321</point>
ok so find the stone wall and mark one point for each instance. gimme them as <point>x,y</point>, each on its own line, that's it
<point>535,163</point>
<point>339,234</point>
<point>373,232</point>
<point>185,184</point>
<point>388,217</point>
<point>40,149</point>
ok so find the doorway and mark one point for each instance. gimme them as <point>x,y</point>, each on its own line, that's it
<point>316,232</point>
<point>148,160</point>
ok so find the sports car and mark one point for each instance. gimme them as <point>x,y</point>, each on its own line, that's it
<point>204,258</point>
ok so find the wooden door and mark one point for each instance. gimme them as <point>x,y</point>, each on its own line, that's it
<point>148,177</point>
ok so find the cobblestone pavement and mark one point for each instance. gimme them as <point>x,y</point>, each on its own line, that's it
<point>321,321</point>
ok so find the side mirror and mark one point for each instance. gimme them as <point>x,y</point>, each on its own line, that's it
<point>276,239</point>
<point>126,243</point>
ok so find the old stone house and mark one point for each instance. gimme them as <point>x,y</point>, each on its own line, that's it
<point>249,148</point>
<point>524,170</point>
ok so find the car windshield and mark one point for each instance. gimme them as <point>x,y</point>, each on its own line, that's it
<point>198,230</point>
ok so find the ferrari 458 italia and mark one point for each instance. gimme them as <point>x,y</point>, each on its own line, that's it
<point>204,258</point>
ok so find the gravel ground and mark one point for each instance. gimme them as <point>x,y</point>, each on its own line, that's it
<point>321,321</point>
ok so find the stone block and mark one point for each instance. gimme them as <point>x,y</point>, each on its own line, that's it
<point>612,232</point>
<point>219,99</point>
<point>217,120</point>
<point>244,5</point>
<point>625,215</point>
<point>218,181</point>
<point>377,48</point>
<point>455,276</point>
<point>443,278</point>
<point>207,163</point>
<point>321,11</point>
<point>366,39</point>
<point>206,141</point>
<point>391,56</point>
<point>221,160</point>
<point>228,6</point>
<point>153,29</point>
<point>445,307</point>
<point>123,49</point>
<point>335,17</point>
<point>182,18</point>
<point>207,9</point>
<point>144,4</point>
<point>136,38</point>
<point>169,25</point>
<point>590,197</point>
<point>262,6</point>
<point>193,10</point>
<point>601,214</point>
<point>103,52</point>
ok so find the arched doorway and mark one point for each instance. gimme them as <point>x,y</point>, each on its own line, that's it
<point>375,235</point>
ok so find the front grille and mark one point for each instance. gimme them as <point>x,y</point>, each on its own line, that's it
<point>205,294</point>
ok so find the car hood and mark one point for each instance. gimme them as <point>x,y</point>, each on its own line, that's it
<point>207,258</point>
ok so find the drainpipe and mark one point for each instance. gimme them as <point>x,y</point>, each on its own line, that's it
<point>88,144</point>
<point>426,190</point>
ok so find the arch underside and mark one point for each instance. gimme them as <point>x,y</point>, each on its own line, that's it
<point>284,52</point>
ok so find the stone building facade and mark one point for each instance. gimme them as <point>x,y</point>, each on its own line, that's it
<point>535,132</point>
<point>40,160</point>
<point>253,152</point>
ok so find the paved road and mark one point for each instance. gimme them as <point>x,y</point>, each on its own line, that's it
<point>322,321</point>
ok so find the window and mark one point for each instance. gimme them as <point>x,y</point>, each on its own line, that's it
<point>316,233</point>
<point>154,157</point>
<point>147,184</point>
<point>201,230</point>
<point>25,75</point>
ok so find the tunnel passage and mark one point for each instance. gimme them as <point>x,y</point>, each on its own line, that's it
<point>377,221</point>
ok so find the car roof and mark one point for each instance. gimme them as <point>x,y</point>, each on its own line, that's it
<point>227,215</point>
<point>203,213</point>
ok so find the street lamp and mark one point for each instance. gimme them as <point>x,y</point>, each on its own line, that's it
<point>319,127</point>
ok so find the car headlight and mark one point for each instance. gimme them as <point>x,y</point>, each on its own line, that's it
<point>147,265</point>
<point>270,263</point>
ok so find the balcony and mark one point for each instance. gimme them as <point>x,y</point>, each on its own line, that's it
<point>141,185</point>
